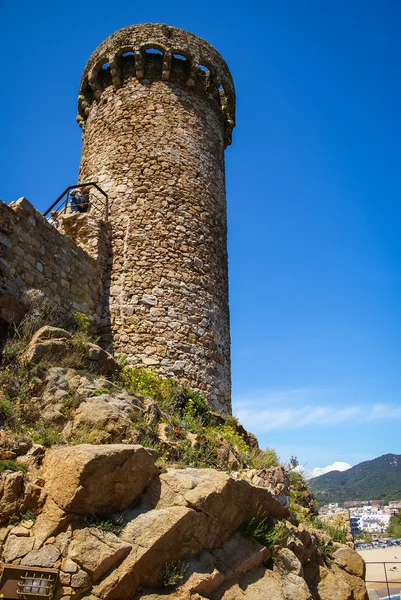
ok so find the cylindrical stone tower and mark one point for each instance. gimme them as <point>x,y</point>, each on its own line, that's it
<point>157,106</point>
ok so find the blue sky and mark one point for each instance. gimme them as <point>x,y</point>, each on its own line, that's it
<point>313,191</point>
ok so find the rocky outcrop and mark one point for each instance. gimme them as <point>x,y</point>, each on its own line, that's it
<point>79,404</point>
<point>17,495</point>
<point>177,533</point>
<point>276,480</point>
<point>90,480</point>
<point>55,344</point>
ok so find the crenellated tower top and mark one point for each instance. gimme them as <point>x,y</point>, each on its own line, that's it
<point>153,51</point>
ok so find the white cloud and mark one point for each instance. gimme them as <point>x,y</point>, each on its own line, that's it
<point>336,466</point>
<point>294,409</point>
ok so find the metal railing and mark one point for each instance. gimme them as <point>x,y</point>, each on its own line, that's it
<point>385,581</point>
<point>97,204</point>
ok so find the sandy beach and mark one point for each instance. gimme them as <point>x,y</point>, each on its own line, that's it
<point>375,575</point>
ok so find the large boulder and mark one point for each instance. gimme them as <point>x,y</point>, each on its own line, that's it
<point>17,495</point>
<point>330,587</point>
<point>109,413</point>
<point>356,584</point>
<point>104,360</point>
<point>54,343</point>
<point>259,584</point>
<point>349,560</point>
<point>158,537</point>
<point>92,406</point>
<point>17,547</point>
<point>239,555</point>
<point>48,342</point>
<point>88,479</point>
<point>97,552</point>
<point>228,502</point>
<point>46,556</point>
<point>49,333</point>
<point>185,511</point>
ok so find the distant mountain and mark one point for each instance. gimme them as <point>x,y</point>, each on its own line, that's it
<point>377,479</point>
<point>336,466</point>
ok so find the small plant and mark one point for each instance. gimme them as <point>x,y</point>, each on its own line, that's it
<point>174,573</point>
<point>265,531</point>
<point>231,420</point>
<point>326,551</point>
<point>78,322</point>
<point>337,533</point>
<point>5,409</point>
<point>202,457</point>
<point>11,465</point>
<point>45,435</point>
<point>263,459</point>
<point>28,515</point>
<point>122,360</point>
<point>235,440</point>
<point>106,524</point>
<point>100,391</point>
<point>86,435</point>
<point>192,405</point>
<point>146,383</point>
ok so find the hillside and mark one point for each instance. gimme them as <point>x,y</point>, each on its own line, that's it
<point>377,479</point>
<point>123,485</point>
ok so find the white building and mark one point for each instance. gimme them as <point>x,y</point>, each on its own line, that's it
<point>370,519</point>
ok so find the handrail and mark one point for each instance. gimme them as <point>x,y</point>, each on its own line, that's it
<point>386,581</point>
<point>80,185</point>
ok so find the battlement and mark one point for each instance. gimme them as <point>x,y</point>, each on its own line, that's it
<point>158,52</point>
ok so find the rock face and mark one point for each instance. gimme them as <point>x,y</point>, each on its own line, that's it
<point>276,480</point>
<point>78,404</point>
<point>182,527</point>
<point>97,479</point>
<point>17,495</point>
<point>97,552</point>
<point>55,344</point>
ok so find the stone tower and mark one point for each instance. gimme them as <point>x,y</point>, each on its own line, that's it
<point>157,108</point>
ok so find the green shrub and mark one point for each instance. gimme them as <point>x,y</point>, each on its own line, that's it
<point>100,391</point>
<point>337,533</point>
<point>12,349</point>
<point>145,383</point>
<point>19,384</point>
<point>5,409</point>
<point>326,550</point>
<point>202,457</point>
<point>193,406</point>
<point>107,524</point>
<point>231,420</point>
<point>87,435</point>
<point>47,436</point>
<point>235,440</point>
<point>263,459</point>
<point>394,528</point>
<point>77,322</point>
<point>266,531</point>
<point>11,465</point>
<point>174,573</point>
<point>28,515</point>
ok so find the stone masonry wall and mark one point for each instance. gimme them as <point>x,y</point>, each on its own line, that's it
<point>155,129</point>
<point>35,255</point>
